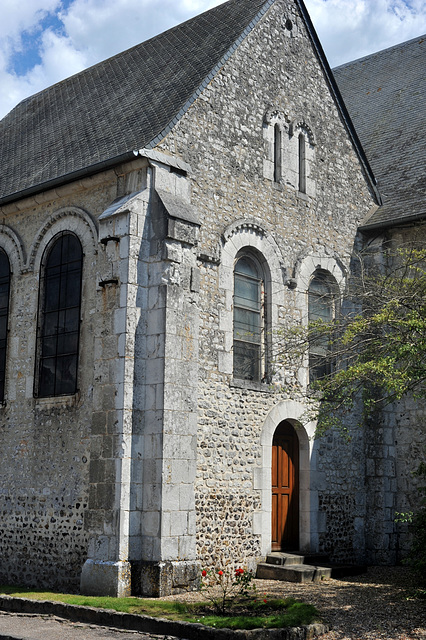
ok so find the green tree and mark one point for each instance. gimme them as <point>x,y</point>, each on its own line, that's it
<point>375,353</point>
<point>376,342</point>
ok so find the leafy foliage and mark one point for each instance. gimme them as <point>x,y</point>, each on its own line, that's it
<point>224,587</point>
<point>377,341</point>
<point>376,352</point>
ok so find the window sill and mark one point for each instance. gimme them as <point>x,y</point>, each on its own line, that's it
<point>303,196</point>
<point>264,387</point>
<point>55,401</point>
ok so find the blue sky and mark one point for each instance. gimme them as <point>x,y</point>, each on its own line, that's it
<point>45,41</point>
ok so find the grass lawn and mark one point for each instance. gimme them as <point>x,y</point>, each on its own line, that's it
<point>242,614</point>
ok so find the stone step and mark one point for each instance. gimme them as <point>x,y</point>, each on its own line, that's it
<point>280,558</point>
<point>284,558</point>
<point>304,568</point>
<point>292,572</point>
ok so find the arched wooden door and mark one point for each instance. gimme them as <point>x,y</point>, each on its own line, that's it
<point>285,488</point>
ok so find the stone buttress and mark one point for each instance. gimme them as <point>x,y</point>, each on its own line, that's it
<point>142,515</point>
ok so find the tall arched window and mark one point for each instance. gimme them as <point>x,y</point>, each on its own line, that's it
<point>302,163</point>
<point>321,307</point>
<point>249,320</point>
<point>4,311</point>
<point>277,154</point>
<point>59,317</point>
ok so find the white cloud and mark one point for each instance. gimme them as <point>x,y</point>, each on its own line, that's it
<point>92,30</point>
<point>350,29</point>
<point>21,16</point>
<point>102,28</point>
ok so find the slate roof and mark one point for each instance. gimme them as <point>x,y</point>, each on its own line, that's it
<point>385,94</point>
<point>99,117</point>
<point>119,105</point>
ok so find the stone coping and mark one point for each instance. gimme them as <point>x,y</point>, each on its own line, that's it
<point>158,626</point>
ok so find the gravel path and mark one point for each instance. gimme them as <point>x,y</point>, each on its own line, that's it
<point>373,606</point>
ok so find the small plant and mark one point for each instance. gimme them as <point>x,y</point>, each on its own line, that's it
<point>224,586</point>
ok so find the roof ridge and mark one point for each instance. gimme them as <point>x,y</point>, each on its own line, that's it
<point>381,52</point>
<point>148,87</point>
<point>125,52</point>
<point>207,79</point>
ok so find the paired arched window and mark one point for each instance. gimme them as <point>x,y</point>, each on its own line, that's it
<point>249,320</point>
<point>4,312</point>
<point>59,317</point>
<point>322,308</point>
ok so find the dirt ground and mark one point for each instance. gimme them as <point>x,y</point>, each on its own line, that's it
<point>378,605</point>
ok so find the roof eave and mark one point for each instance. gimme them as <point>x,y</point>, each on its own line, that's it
<point>60,181</point>
<point>396,222</point>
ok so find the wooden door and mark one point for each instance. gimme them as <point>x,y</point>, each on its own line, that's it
<point>285,488</point>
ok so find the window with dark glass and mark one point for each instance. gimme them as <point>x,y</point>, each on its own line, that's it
<point>277,153</point>
<point>302,163</point>
<point>248,320</point>
<point>60,301</point>
<point>321,308</point>
<point>4,311</point>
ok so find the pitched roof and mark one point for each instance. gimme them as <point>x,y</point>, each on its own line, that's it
<point>118,105</point>
<point>99,117</point>
<point>385,94</point>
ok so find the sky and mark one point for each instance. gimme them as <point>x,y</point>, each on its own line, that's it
<point>45,41</point>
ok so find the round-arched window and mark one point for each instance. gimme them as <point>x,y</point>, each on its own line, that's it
<point>248,320</point>
<point>4,312</point>
<point>321,309</point>
<point>59,319</point>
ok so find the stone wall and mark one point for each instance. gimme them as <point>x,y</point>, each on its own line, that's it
<point>58,454</point>
<point>224,136</point>
<point>395,438</point>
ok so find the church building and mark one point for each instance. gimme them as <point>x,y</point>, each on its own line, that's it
<point>165,215</point>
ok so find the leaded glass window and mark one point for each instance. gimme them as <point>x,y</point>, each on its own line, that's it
<point>4,311</point>
<point>248,320</point>
<point>60,317</point>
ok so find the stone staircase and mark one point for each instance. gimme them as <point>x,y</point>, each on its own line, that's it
<point>292,567</point>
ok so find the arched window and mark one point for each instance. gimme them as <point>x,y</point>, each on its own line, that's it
<point>321,307</point>
<point>302,163</point>
<point>4,311</point>
<point>249,320</point>
<point>277,154</point>
<point>59,317</point>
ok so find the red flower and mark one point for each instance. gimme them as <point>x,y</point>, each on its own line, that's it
<point>220,573</point>
<point>204,573</point>
<point>265,601</point>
